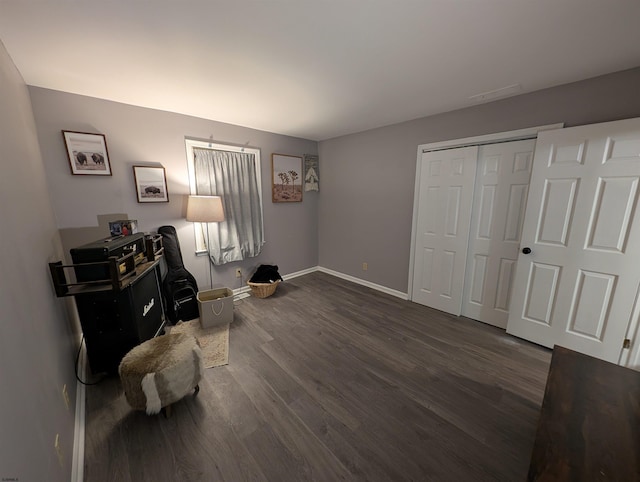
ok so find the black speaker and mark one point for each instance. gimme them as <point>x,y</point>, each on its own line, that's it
<point>113,322</point>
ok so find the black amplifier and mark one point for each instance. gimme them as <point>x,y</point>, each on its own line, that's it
<point>102,250</point>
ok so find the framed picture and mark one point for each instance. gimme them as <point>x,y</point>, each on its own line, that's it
<point>286,178</point>
<point>151,184</point>
<point>311,173</point>
<point>87,153</point>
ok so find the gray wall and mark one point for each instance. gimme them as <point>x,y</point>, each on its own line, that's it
<point>140,136</point>
<point>36,340</point>
<point>367,179</point>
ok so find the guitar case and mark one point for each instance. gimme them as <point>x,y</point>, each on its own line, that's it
<point>179,287</point>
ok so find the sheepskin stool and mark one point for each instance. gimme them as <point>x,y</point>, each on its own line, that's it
<point>161,371</point>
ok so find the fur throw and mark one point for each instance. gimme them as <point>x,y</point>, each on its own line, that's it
<point>161,371</point>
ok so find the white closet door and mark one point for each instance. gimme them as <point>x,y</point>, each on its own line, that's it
<point>578,286</point>
<point>500,196</point>
<point>444,213</point>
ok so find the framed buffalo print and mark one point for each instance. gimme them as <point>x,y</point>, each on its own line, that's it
<point>87,153</point>
<point>151,184</point>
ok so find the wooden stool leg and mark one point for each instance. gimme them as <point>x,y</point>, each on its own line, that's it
<point>167,411</point>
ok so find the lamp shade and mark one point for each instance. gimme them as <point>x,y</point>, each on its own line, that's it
<point>205,209</point>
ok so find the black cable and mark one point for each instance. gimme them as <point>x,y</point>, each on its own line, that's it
<point>76,366</point>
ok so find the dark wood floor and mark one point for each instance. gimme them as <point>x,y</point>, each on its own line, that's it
<point>328,380</point>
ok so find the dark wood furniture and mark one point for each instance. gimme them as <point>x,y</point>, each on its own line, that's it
<point>589,427</point>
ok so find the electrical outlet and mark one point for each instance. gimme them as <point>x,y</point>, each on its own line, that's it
<point>365,266</point>
<point>58,449</point>
<point>65,395</point>
<point>238,273</point>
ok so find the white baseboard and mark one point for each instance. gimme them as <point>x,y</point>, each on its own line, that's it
<point>368,284</point>
<point>77,467</point>
<point>300,273</point>
<point>245,291</point>
<point>240,293</point>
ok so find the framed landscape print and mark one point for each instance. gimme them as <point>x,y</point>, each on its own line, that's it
<point>286,178</point>
<point>151,184</point>
<point>87,153</point>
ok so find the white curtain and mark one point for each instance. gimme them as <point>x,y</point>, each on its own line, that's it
<point>231,175</point>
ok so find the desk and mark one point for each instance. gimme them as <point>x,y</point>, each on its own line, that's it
<point>589,426</point>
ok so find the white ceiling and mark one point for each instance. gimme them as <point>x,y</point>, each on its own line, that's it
<point>314,69</point>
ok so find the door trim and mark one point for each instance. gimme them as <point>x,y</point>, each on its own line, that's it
<point>519,134</point>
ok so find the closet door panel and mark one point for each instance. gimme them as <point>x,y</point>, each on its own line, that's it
<point>444,213</point>
<point>499,202</point>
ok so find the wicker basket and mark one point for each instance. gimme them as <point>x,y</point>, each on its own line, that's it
<point>263,290</point>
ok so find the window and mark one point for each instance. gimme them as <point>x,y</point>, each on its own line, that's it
<point>232,173</point>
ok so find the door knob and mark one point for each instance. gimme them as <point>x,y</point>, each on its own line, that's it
<point>526,250</point>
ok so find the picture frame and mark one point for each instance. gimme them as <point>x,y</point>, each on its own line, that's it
<point>286,178</point>
<point>87,153</point>
<point>151,184</point>
<point>311,173</point>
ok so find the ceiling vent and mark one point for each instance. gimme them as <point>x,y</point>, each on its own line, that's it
<point>496,94</point>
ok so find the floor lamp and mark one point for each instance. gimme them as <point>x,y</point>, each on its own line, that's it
<point>205,209</point>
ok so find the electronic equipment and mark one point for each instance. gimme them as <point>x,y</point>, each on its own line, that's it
<point>114,322</point>
<point>102,250</point>
<point>117,293</point>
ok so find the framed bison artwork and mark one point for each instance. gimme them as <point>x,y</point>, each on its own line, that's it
<point>151,184</point>
<point>87,153</point>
